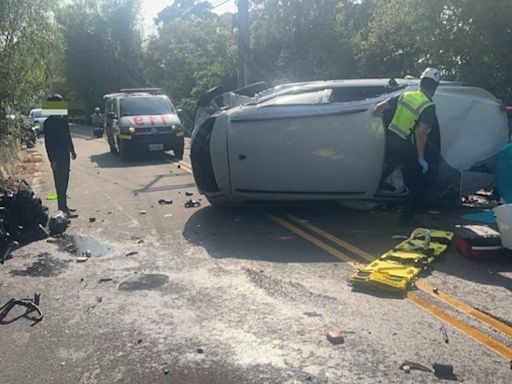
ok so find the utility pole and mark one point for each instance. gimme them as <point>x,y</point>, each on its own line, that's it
<point>243,42</point>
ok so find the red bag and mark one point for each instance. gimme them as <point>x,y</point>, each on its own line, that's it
<point>478,242</point>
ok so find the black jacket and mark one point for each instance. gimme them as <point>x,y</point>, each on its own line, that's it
<point>57,137</point>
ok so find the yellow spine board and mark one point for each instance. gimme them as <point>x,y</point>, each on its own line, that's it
<point>399,267</point>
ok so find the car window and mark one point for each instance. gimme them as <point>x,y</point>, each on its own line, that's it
<point>36,113</point>
<point>318,97</point>
<point>140,106</point>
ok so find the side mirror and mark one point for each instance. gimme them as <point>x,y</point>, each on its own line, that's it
<point>111,116</point>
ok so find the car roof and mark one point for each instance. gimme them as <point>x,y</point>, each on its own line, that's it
<point>135,92</point>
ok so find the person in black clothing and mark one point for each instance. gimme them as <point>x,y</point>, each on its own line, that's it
<point>59,147</point>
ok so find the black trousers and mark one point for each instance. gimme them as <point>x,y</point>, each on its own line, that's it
<point>61,167</point>
<point>404,154</point>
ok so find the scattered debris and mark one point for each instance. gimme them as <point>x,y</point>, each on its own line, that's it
<point>140,241</point>
<point>445,334</point>
<point>92,219</point>
<point>407,366</point>
<point>189,194</point>
<point>87,253</point>
<point>435,290</point>
<point>164,202</point>
<point>335,337</point>
<point>166,370</point>
<point>31,305</point>
<point>132,253</point>
<point>99,299</point>
<point>444,371</point>
<point>143,212</point>
<point>104,280</point>
<point>81,259</point>
<point>192,204</point>
<point>58,223</point>
<point>312,314</point>
<point>200,350</point>
<point>139,341</point>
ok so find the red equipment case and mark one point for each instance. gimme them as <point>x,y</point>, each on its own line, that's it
<point>477,242</point>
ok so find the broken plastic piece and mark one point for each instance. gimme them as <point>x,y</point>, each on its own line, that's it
<point>335,337</point>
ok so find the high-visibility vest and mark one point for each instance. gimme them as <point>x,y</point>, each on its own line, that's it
<point>409,109</point>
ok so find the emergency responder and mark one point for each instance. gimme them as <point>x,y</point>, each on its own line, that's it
<point>413,117</point>
<point>59,147</point>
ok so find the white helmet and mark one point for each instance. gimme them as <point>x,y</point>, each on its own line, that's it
<point>97,109</point>
<point>431,73</point>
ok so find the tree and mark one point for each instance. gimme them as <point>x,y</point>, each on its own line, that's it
<point>103,47</point>
<point>29,52</point>
<point>194,50</point>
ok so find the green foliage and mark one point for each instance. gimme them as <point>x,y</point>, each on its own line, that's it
<point>194,50</point>
<point>29,48</point>
<point>103,48</point>
<point>87,48</point>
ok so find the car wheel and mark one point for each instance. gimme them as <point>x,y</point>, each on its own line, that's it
<point>111,143</point>
<point>178,153</point>
<point>123,150</point>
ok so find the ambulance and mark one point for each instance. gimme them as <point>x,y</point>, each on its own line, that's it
<point>141,120</point>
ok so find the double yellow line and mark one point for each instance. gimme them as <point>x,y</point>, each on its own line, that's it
<point>299,227</point>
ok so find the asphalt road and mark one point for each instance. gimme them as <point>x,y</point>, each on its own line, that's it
<point>208,295</point>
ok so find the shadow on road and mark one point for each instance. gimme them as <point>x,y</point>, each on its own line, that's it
<point>246,233</point>
<point>111,160</point>
<point>152,187</point>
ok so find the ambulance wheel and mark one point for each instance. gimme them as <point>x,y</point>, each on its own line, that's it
<point>123,150</point>
<point>111,144</point>
<point>178,153</point>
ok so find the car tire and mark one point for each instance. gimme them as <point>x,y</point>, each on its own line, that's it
<point>123,150</point>
<point>111,143</point>
<point>178,153</point>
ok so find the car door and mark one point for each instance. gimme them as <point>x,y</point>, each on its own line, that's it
<point>306,145</point>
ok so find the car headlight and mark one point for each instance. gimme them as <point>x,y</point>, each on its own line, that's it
<point>131,130</point>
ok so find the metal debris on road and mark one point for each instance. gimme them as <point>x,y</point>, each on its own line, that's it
<point>444,371</point>
<point>445,334</point>
<point>192,204</point>
<point>407,366</point>
<point>164,202</point>
<point>335,337</point>
<point>31,305</point>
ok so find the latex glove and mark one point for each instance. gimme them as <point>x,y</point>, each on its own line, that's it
<point>424,165</point>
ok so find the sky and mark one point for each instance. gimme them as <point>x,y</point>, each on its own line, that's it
<point>150,9</point>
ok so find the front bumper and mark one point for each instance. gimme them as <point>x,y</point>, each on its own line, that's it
<point>169,140</point>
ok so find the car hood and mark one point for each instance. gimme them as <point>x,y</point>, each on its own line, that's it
<point>148,121</point>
